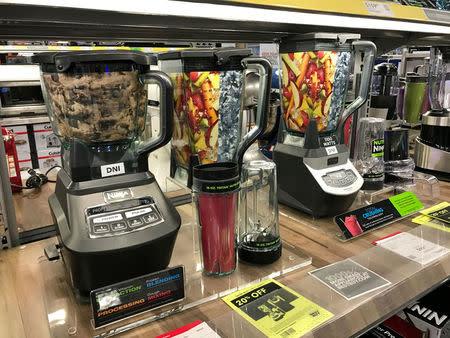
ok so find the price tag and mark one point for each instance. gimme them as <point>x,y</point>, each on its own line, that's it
<point>276,310</point>
<point>377,8</point>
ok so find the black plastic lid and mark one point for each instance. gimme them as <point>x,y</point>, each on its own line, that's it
<point>416,78</point>
<point>216,177</point>
<point>62,61</point>
<point>202,59</point>
<point>385,68</point>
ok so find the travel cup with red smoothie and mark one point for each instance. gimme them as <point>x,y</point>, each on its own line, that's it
<point>215,188</point>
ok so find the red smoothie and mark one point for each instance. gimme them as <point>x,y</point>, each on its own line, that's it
<point>217,219</point>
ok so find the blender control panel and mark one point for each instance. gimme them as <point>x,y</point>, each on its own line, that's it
<point>339,178</point>
<point>122,217</point>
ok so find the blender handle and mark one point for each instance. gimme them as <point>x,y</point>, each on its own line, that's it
<point>370,51</point>
<point>166,114</point>
<point>264,69</point>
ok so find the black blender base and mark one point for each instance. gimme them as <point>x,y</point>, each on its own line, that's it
<point>260,257</point>
<point>92,262</point>
<point>320,204</point>
<point>441,176</point>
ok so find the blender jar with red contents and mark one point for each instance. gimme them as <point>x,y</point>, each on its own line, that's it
<point>215,188</point>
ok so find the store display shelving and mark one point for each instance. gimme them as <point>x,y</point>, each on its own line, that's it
<point>232,21</point>
<point>227,21</point>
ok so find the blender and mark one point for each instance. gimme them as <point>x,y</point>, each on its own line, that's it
<point>432,149</point>
<point>208,94</point>
<point>383,96</point>
<point>313,168</point>
<point>113,222</point>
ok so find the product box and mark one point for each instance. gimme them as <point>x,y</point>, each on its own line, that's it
<point>432,313</point>
<point>44,137</point>
<point>394,327</point>
<point>22,145</point>
<point>49,158</point>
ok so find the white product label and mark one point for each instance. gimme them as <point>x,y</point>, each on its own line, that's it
<point>107,219</point>
<point>134,213</point>
<point>331,150</point>
<point>415,248</point>
<point>376,8</point>
<point>112,169</point>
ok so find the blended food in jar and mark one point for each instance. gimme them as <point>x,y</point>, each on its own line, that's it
<point>97,107</point>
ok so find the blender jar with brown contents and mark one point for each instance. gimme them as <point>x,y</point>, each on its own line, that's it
<point>97,103</point>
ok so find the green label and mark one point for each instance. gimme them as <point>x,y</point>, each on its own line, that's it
<point>406,203</point>
<point>378,148</point>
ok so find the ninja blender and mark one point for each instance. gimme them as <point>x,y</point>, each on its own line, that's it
<point>314,172</point>
<point>432,149</point>
<point>209,86</point>
<point>113,221</point>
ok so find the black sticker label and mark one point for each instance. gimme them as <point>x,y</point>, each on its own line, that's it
<point>328,141</point>
<point>133,296</point>
<point>441,214</point>
<point>378,148</point>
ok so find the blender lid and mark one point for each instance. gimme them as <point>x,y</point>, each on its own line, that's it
<point>63,60</point>
<point>318,41</point>
<point>416,78</point>
<point>385,68</point>
<point>340,37</point>
<point>219,56</point>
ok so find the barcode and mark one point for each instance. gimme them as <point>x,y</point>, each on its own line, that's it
<point>314,314</point>
<point>288,332</point>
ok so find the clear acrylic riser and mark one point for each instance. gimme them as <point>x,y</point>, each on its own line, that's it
<point>424,186</point>
<point>409,281</point>
<point>68,317</point>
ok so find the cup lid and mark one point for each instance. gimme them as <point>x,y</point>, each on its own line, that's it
<point>216,171</point>
<point>216,178</point>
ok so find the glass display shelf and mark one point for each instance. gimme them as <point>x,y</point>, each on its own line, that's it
<point>425,187</point>
<point>408,279</point>
<point>68,317</point>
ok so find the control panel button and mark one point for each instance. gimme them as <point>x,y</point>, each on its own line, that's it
<point>108,219</point>
<point>101,228</point>
<point>118,226</point>
<point>150,218</point>
<point>136,222</point>
<point>138,212</point>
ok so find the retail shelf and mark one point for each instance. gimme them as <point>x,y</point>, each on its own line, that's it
<point>167,20</point>
<point>42,48</point>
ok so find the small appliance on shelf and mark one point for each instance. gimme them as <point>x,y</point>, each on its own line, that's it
<point>209,86</point>
<point>313,167</point>
<point>113,222</point>
<point>432,149</point>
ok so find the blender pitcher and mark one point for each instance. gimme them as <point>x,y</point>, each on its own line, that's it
<point>315,72</point>
<point>97,104</point>
<point>209,86</point>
